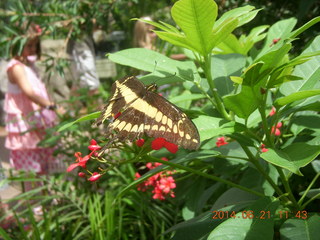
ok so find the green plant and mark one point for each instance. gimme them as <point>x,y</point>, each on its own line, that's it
<point>235,94</point>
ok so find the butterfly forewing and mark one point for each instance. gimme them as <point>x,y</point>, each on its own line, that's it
<point>145,112</point>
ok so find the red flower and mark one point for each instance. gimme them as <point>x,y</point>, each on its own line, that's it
<point>81,174</point>
<point>171,147</point>
<point>80,161</point>
<point>166,184</point>
<point>279,125</point>
<point>221,141</point>
<point>95,176</point>
<point>263,148</point>
<point>158,194</point>
<point>159,143</point>
<point>273,111</point>
<point>275,130</point>
<point>94,146</point>
<point>140,142</point>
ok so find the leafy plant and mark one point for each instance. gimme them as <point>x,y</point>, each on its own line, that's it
<point>237,96</point>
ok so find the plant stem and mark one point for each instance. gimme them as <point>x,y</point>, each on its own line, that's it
<point>153,159</point>
<point>242,158</point>
<point>219,105</point>
<point>312,199</point>
<point>287,186</point>
<point>262,111</point>
<point>308,188</point>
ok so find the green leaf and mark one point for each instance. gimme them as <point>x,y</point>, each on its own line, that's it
<point>296,97</point>
<point>4,234</point>
<point>223,31</point>
<point>274,58</point>
<point>210,127</point>
<point>151,61</point>
<point>308,71</point>
<point>297,229</point>
<point>242,227</point>
<point>293,157</point>
<point>196,19</point>
<point>282,30</point>
<point>224,66</point>
<point>186,97</point>
<point>81,119</point>
<point>306,26</point>
<point>243,14</point>
<point>243,103</point>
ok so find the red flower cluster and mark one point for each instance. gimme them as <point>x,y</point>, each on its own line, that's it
<point>82,161</point>
<point>275,130</point>
<point>159,143</point>
<point>162,183</point>
<point>221,141</point>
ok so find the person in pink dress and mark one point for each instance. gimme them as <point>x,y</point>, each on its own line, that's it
<point>29,111</point>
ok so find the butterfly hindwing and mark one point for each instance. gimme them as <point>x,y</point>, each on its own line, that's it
<point>163,119</point>
<point>145,112</point>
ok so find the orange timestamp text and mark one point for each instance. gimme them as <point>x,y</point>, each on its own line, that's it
<point>249,214</point>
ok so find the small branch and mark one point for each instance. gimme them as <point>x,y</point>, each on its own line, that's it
<point>308,188</point>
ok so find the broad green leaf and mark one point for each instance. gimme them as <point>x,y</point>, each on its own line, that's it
<point>234,197</point>
<point>293,157</point>
<point>223,31</point>
<point>306,26</point>
<point>176,39</point>
<point>196,19</point>
<point>253,179</point>
<point>243,14</point>
<point>229,45</point>
<point>243,103</point>
<point>191,207</point>
<point>210,127</point>
<point>275,58</point>
<point>81,119</point>
<point>296,97</point>
<point>259,225</point>
<point>224,66</point>
<point>151,61</point>
<point>242,45</point>
<point>280,30</point>
<point>297,229</point>
<point>186,97</point>
<point>195,228</point>
<point>163,26</point>
<point>308,71</point>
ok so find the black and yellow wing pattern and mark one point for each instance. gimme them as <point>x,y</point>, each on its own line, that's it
<point>143,111</point>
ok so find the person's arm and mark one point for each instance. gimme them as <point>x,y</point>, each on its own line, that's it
<point>18,76</point>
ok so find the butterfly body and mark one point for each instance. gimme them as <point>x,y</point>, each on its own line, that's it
<point>143,111</point>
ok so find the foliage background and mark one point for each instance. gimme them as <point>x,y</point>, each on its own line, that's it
<point>91,211</point>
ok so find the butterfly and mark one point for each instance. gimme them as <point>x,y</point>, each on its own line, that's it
<point>134,110</point>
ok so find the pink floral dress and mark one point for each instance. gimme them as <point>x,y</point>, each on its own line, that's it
<point>26,123</point>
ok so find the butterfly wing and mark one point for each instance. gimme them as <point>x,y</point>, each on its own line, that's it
<point>123,93</point>
<point>164,119</point>
<point>156,117</point>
